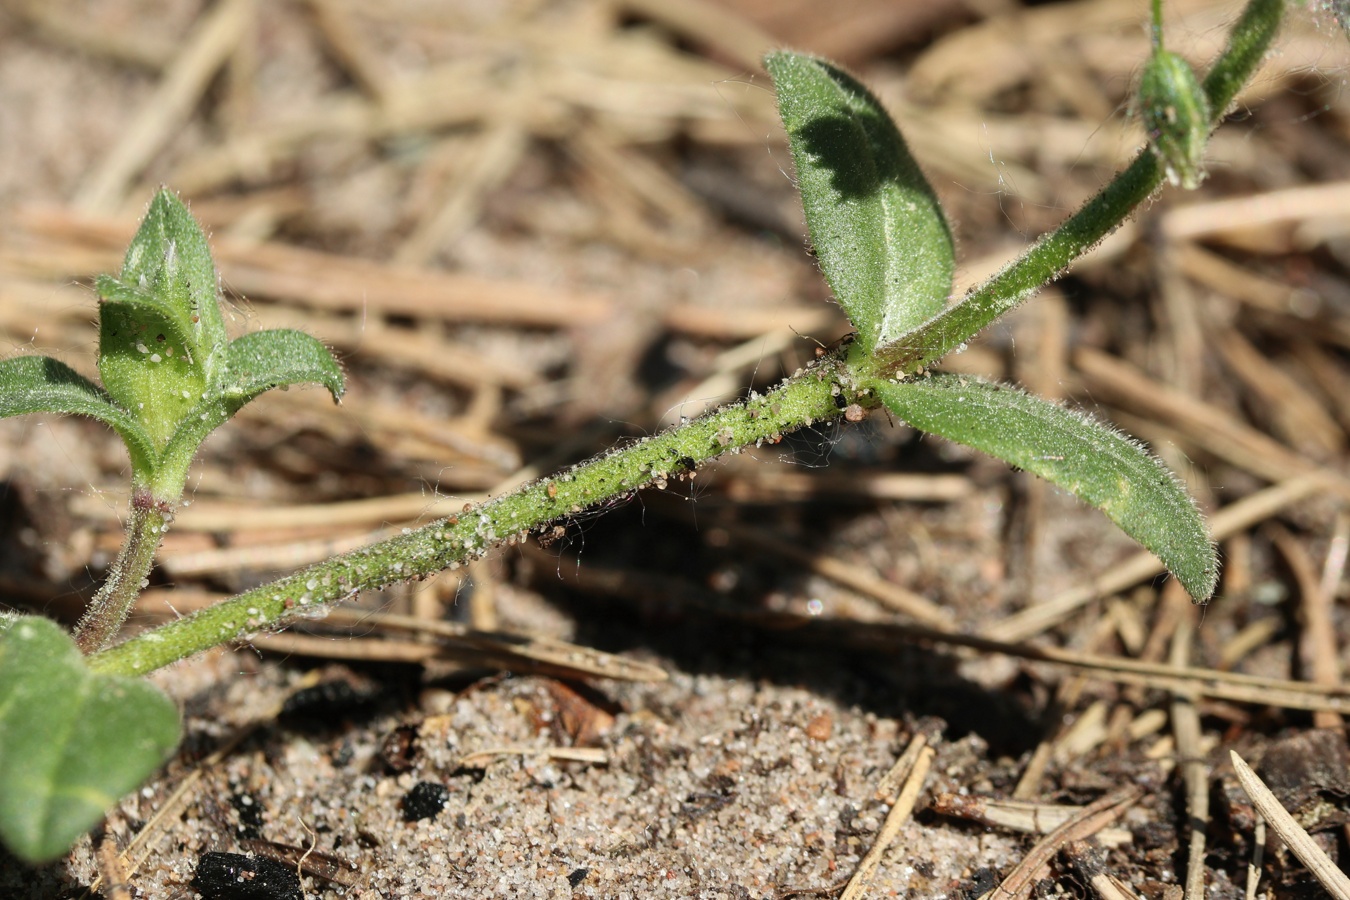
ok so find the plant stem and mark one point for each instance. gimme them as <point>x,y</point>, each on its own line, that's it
<point>1247,45</point>
<point>1052,254</point>
<point>112,604</point>
<point>1157,28</point>
<point>815,395</point>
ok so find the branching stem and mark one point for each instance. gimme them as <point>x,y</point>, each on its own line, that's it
<point>820,393</point>
<point>1052,254</point>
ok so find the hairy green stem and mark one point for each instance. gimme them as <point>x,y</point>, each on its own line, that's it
<point>112,604</point>
<point>814,395</point>
<point>1247,45</point>
<point>1052,254</point>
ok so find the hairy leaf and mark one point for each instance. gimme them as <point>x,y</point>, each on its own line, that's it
<point>169,260</point>
<point>31,384</point>
<point>263,360</point>
<point>71,742</point>
<point>147,363</point>
<point>875,222</point>
<point>1099,465</point>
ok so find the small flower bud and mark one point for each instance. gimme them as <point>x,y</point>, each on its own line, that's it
<point>1176,115</point>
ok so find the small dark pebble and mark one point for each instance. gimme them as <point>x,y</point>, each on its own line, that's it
<point>233,876</point>
<point>984,881</point>
<point>577,876</point>
<point>250,815</point>
<point>424,801</point>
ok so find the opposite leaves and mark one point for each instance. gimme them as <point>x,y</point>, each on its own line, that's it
<point>170,372</point>
<point>1100,466</point>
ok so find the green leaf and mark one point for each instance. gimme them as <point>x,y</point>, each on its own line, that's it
<point>262,360</point>
<point>1099,465</point>
<point>170,261</point>
<point>30,384</point>
<point>148,364</point>
<point>875,222</point>
<point>161,332</point>
<point>71,742</point>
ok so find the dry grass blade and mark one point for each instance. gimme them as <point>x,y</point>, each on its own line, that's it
<point>1258,856</point>
<point>263,556</point>
<point>1230,520</point>
<point>1318,649</point>
<point>336,282</point>
<point>479,758</point>
<point>571,659</point>
<point>754,482</point>
<point>1301,419</point>
<point>1026,816</point>
<point>1065,730</point>
<point>495,156</point>
<point>347,648</point>
<point>71,28</point>
<point>1090,861</point>
<point>184,82</point>
<point>1238,283</point>
<point>1092,819</point>
<point>891,595</point>
<point>713,24</point>
<point>882,636</point>
<point>1298,840</point>
<point>351,49</point>
<point>1206,425</point>
<point>1203,683</point>
<point>917,759</point>
<point>111,870</point>
<point>1199,220</point>
<point>1109,887</point>
<point>1195,773</point>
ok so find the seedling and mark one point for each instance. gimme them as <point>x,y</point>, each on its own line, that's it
<point>77,731</point>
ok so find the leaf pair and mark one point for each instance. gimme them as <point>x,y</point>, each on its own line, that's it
<point>886,251</point>
<point>170,373</point>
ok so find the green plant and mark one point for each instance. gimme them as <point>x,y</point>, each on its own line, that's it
<point>886,251</point>
<point>73,740</point>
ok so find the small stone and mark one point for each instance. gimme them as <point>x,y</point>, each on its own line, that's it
<point>821,727</point>
<point>233,876</point>
<point>424,801</point>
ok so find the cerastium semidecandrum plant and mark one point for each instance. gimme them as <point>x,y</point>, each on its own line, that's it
<point>77,729</point>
